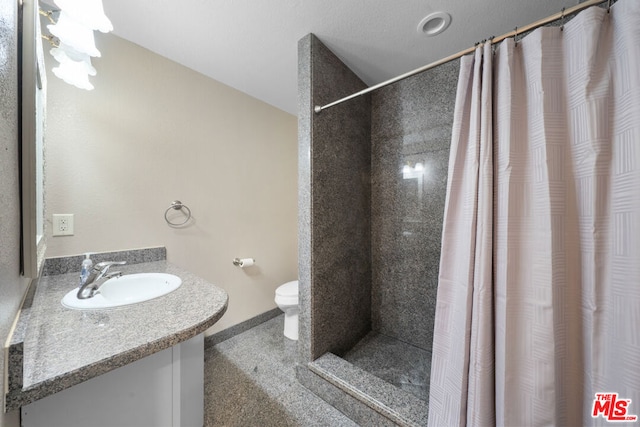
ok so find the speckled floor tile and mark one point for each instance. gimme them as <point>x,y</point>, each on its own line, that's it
<point>250,381</point>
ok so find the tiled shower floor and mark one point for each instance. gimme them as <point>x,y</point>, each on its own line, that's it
<point>398,363</point>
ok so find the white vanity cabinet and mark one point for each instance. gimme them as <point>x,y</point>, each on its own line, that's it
<point>163,389</point>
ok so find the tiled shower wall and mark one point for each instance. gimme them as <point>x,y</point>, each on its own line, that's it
<point>411,125</point>
<point>334,199</point>
<point>370,221</point>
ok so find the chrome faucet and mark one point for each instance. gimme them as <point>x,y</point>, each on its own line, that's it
<point>99,275</point>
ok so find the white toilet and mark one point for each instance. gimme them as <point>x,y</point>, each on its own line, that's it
<point>287,300</point>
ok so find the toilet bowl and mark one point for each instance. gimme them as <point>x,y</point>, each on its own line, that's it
<point>287,301</point>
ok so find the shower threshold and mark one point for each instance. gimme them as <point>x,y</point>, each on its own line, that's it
<point>390,403</point>
<point>383,374</point>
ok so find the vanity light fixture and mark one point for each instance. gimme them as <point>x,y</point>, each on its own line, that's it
<point>74,44</point>
<point>434,24</point>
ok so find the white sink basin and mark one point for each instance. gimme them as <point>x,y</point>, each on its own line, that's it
<point>125,290</point>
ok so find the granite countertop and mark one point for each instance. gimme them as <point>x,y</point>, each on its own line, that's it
<point>62,347</point>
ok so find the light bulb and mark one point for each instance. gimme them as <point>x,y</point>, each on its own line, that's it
<point>74,73</point>
<point>74,35</point>
<point>90,13</point>
<point>64,53</point>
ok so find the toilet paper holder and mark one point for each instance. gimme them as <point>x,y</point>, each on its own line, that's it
<point>243,262</point>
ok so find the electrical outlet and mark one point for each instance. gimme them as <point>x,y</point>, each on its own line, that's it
<point>63,224</point>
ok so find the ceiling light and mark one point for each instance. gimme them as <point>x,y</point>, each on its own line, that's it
<point>434,24</point>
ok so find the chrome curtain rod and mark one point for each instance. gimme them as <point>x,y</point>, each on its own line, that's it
<point>560,15</point>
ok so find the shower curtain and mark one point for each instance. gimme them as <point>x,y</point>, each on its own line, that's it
<point>538,304</point>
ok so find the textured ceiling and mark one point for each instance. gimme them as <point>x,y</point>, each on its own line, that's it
<point>251,45</point>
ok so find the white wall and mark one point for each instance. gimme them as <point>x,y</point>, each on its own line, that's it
<point>153,131</point>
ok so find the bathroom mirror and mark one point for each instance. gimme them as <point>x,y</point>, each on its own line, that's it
<point>33,115</point>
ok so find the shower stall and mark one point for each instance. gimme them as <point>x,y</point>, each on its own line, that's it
<point>372,179</point>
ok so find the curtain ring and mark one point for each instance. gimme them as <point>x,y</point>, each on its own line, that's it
<point>515,37</point>
<point>609,6</point>
<point>562,20</point>
<point>491,43</point>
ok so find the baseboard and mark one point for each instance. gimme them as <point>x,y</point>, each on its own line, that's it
<point>241,327</point>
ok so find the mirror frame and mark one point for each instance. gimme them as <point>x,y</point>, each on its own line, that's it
<point>33,113</point>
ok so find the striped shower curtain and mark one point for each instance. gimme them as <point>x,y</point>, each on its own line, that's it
<point>538,312</point>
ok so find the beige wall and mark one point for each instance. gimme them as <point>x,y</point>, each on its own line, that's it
<point>153,131</point>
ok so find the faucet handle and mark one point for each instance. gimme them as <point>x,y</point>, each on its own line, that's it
<point>112,274</point>
<point>105,265</point>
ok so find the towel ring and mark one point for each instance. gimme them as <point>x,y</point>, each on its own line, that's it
<point>177,205</point>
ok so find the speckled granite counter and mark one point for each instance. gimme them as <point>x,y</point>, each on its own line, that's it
<point>55,348</point>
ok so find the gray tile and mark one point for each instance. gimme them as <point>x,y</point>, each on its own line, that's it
<point>334,203</point>
<point>405,366</point>
<point>71,264</point>
<point>250,381</point>
<point>358,411</point>
<point>241,327</point>
<point>379,396</point>
<point>369,234</point>
<point>305,112</point>
<point>310,410</point>
<point>411,123</point>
